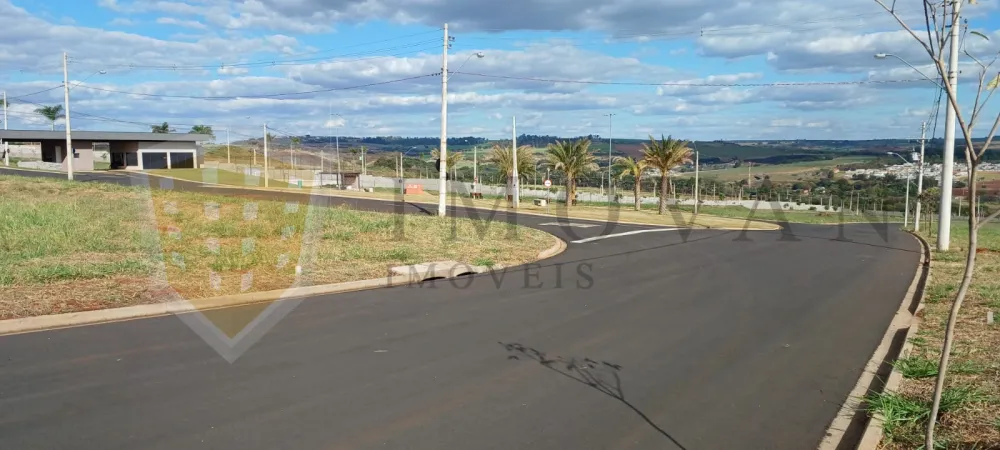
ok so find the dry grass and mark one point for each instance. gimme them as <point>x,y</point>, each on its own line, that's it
<point>80,246</point>
<point>974,369</point>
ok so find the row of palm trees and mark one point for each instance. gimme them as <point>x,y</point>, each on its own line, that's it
<point>574,158</point>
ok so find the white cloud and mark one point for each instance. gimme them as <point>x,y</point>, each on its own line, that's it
<point>122,22</point>
<point>181,23</point>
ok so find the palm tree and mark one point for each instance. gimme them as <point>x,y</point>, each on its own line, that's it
<point>202,129</point>
<point>573,159</point>
<point>632,167</point>
<point>664,155</point>
<point>501,155</point>
<point>53,113</point>
<point>453,158</point>
<point>160,129</point>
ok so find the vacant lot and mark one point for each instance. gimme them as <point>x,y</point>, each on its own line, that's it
<point>818,217</point>
<point>970,405</point>
<point>779,172</point>
<point>68,246</point>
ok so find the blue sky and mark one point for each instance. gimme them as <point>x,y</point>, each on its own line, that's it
<point>350,55</point>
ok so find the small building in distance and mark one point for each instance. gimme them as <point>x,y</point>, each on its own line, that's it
<point>127,150</point>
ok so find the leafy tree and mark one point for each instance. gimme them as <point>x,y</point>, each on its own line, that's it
<point>502,156</point>
<point>52,113</point>
<point>664,155</point>
<point>573,159</point>
<point>162,129</point>
<point>202,129</point>
<point>631,167</point>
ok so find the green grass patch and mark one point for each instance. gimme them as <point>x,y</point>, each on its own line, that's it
<point>905,417</point>
<point>486,262</point>
<point>917,367</point>
<point>938,292</point>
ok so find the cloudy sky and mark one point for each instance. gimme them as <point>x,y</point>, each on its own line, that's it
<point>692,68</point>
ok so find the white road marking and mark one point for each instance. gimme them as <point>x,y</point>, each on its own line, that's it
<point>578,225</point>
<point>627,233</point>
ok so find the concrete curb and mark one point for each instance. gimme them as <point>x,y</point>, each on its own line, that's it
<point>853,411</point>
<point>555,249</point>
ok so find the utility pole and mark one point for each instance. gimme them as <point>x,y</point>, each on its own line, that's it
<point>69,134</point>
<point>920,176</point>
<point>906,211</point>
<point>475,168</point>
<point>696,192</point>
<point>265,156</point>
<point>610,147</point>
<point>340,177</point>
<point>443,148</point>
<point>948,165</point>
<point>228,158</point>
<point>513,149</point>
<point>3,145</point>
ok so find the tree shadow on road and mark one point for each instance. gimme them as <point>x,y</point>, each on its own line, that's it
<point>602,376</point>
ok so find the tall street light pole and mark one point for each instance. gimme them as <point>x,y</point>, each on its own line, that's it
<point>228,158</point>
<point>610,116</point>
<point>909,175</point>
<point>3,145</point>
<point>69,134</point>
<point>513,149</point>
<point>696,182</point>
<point>920,176</point>
<point>443,146</point>
<point>265,156</point>
<point>948,163</point>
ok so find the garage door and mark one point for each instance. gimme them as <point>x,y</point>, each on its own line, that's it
<point>181,160</point>
<point>154,161</point>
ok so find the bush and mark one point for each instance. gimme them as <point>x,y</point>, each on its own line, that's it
<point>827,207</point>
<point>812,208</point>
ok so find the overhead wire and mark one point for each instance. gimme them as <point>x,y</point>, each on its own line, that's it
<point>425,44</point>
<point>261,96</point>
<point>682,84</point>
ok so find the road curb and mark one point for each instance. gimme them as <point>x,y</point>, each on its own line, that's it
<point>555,249</point>
<point>852,423</point>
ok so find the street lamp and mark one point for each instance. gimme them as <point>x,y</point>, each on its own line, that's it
<point>909,174</point>
<point>443,146</point>
<point>890,55</point>
<point>337,137</point>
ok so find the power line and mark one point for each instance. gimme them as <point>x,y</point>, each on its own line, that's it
<point>780,28</point>
<point>283,94</point>
<point>34,93</point>
<point>680,84</point>
<point>267,62</point>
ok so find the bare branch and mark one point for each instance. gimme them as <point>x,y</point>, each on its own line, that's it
<point>988,218</point>
<point>989,139</point>
<point>906,27</point>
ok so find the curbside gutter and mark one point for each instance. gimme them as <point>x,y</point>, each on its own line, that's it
<point>852,425</point>
<point>400,276</point>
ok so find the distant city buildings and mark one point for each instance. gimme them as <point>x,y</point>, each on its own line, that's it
<point>911,169</point>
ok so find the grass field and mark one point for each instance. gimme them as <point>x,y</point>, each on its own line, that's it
<point>778,173</point>
<point>70,246</point>
<point>815,217</point>
<point>970,415</point>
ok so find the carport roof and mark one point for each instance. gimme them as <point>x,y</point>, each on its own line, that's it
<point>100,136</point>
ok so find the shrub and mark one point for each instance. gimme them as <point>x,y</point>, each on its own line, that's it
<point>812,208</point>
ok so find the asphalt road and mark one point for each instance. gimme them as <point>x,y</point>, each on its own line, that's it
<point>699,339</point>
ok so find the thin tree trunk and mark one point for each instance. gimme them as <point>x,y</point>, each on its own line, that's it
<point>638,202</point>
<point>569,191</point>
<point>949,334</point>
<point>663,193</point>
